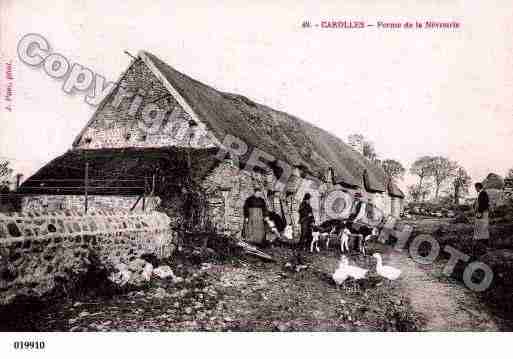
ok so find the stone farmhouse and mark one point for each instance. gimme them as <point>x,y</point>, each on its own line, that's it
<point>200,156</point>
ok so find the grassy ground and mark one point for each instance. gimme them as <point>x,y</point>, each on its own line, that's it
<point>234,293</point>
<point>498,298</point>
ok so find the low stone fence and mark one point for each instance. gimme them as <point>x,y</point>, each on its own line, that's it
<point>37,249</point>
<point>50,203</point>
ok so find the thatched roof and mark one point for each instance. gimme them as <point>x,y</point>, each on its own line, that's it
<point>394,190</point>
<point>116,171</point>
<point>281,135</point>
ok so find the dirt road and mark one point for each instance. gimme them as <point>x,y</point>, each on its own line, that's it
<point>445,305</point>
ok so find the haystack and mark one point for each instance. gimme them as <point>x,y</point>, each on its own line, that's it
<point>493,181</point>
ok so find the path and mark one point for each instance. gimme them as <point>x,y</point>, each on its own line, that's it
<point>445,305</point>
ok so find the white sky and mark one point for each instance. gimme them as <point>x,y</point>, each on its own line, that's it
<point>412,92</point>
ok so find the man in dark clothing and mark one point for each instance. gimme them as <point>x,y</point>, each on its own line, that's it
<point>255,210</point>
<point>306,220</point>
<point>278,221</point>
<point>481,209</point>
<point>483,201</point>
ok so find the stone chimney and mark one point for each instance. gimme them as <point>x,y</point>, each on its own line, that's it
<point>356,143</point>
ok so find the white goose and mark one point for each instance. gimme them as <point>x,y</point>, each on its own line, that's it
<point>341,274</point>
<point>387,272</point>
<point>345,270</point>
<point>354,271</point>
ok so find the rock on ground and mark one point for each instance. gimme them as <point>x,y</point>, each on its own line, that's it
<point>163,272</point>
<point>501,263</point>
<point>136,273</point>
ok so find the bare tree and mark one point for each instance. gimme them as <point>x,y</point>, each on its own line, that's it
<point>419,194</point>
<point>413,192</point>
<point>423,170</point>
<point>509,174</point>
<point>460,184</point>
<point>425,191</point>
<point>393,169</point>
<point>442,170</point>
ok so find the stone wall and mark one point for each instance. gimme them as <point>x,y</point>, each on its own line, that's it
<point>77,203</point>
<point>387,205</point>
<point>397,207</point>
<point>120,124</point>
<point>233,186</point>
<point>378,200</point>
<point>229,187</point>
<point>39,249</point>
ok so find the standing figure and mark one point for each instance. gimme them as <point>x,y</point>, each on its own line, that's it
<point>255,211</point>
<point>481,209</point>
<point>306,220</point>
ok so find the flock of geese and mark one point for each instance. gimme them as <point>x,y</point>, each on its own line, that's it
<point>346,270</point>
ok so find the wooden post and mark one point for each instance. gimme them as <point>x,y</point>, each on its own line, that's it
<point>144,193</point>
<point>136,202</point>
<point>189,160</point>
<point>192,125</point>
<point>18,181</point>
<point>86,183</point>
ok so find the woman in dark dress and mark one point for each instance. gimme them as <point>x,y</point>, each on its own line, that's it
<point>255,210</point>
<point>306,220</point>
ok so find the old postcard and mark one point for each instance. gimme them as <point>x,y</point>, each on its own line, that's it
<point>236,166</point>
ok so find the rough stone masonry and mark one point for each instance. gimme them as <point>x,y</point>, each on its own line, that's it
<point>37,249</point>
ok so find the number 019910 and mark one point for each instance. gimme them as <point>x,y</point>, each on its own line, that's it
<point>29,345</point>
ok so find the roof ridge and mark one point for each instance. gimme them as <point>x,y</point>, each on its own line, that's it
<point>284,136</point>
